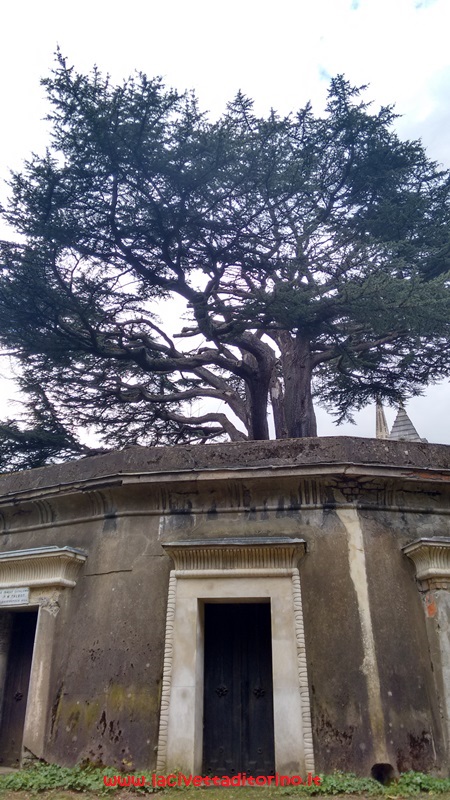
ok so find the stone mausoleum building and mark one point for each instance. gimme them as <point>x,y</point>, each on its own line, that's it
<point>258,606</point>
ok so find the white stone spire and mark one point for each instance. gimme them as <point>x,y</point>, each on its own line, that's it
<point>382,430</point>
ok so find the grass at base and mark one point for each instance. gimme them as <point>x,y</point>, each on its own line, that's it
<point>51,782</point>
<point>241,793</point>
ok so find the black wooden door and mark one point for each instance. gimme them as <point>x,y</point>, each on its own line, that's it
<point>16,687</point>
<point>238,733</point>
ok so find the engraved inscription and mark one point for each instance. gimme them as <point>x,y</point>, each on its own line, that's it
<point>14,597</point>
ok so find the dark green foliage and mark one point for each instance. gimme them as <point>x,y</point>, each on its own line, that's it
<point>285,257</point>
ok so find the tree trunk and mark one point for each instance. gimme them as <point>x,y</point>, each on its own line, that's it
<point>297,371</point>
<point>257,392</point>
<point>278,410</point>
<point>262,362</point>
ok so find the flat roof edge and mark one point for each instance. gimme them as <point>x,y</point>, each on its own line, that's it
<point>199,474</point>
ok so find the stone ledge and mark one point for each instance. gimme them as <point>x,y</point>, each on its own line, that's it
<point>236,554</point>
<point>431,557</point>
<point>232,455</point>
<point>40,566</point>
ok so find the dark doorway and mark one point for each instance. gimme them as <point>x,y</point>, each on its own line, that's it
<point>238,733</point>
<point>16,687</point>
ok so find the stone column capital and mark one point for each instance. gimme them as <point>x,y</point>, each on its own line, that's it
<point>431,557</point>
<point>41,566</point>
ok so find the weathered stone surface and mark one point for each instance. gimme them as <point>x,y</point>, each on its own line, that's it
<point>355,502</point>
<point>286,452</point>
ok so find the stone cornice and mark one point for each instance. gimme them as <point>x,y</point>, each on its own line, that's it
<point>40,566</point>
<point>323,457</point>
<point>330,473</point>
<point>324,472</point>
<point>431,557</point>
<point>236,554</point>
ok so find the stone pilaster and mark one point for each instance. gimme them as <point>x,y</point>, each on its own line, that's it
<point>37,578</point>
<point>431,557</point>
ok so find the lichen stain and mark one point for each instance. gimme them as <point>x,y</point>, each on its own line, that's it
<point>419,754</point>
<point>330,736</point>
<point>246,498</point>
<point>95,653</point>
<point>129,699</point>
<point>110,523</point>
<point>90,712</point>
<point>56,710</point>
<point>101,726</point>
<point>103,716</point>
<point>295,503</point>
<point>280,507</point>
<point>73,714</point>
<point>114,732</point>
<point>73,720</point>
<point>336,744</point>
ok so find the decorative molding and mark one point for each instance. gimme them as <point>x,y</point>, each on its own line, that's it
<point>45,511</point>
<point>275,572</point>
<point>431,557</point>
<point>303,673</point>
<point>311,493</point>
<point>226,555</point>
<point>40,567</point>
<point>167,676</point>
<point>235,558</point>
<point>47,600</point>
<point>98,503</point>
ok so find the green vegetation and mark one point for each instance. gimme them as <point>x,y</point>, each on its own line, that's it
<point>162,260</point>
<point>88,780</point>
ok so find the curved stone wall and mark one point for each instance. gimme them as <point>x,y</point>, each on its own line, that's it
<point>373,663</point>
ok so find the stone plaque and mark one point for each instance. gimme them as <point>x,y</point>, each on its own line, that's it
<point>14,597</point>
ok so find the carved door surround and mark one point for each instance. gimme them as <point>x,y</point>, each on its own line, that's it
<point>34,579</point>
<point>235,570</point>
<point>431,558</point>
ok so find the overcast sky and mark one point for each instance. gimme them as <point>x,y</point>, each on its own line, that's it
<point>282,54</point>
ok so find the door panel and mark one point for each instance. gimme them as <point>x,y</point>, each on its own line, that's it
<point>238,700</point>
<point>16,687</point>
